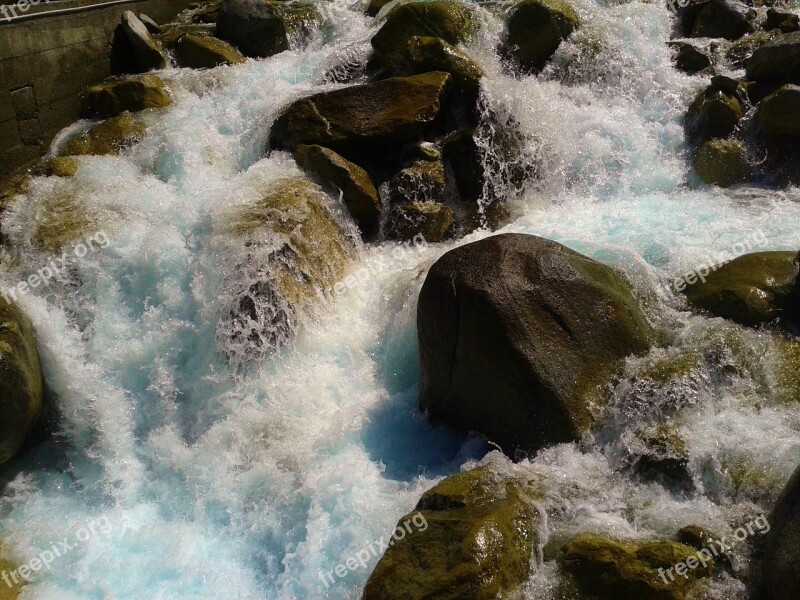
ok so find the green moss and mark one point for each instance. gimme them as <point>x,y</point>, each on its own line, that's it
<point>672,368</point>
<point>109,137</point>
<point>607,569</point>
<point>787,367</point>
<point>21,383</point>
<point>8,592</point>
<point>320,249</point>
<point>205,52</point>
<point>480,532</point>
<point>63,218</point>
<point>751,290</point>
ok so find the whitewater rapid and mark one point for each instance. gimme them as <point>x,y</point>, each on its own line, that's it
<point>222,487</point>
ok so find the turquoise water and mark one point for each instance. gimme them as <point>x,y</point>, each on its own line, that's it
<point>222,485</point>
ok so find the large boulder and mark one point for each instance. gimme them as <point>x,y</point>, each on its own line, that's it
<point>752,289</point>
<point>779,113</point>
<point>431,220</point>
<point>535,30</point>
<point>740,51</point>
<point>370,119</point>
<point>727,19</point>
<point>519,335</point>
<point>296,250</point>
<point>133,49</point>
<point>782,20</point>
<point>722,162</point>
<point>610,570</point>
<point>358,191</point>
<point>471,536</point>
<point>120,94</point>
<point>781,563</point>
<point>261,28</point>
<point>453,22</point>
<point>109,137</point>
<point>21,381</point>
<point>688,58</point>
<point>777,61</point>
<point>205,52</point>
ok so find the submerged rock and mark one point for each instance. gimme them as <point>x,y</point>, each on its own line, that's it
<point>519,335</point>
<point>358,191</point>
<point>777,61</point>
<point>205,52</point>
<point>472,537</point>
<point>722,162</point>
<point>605,569</point>
<point>535,30</point>
<point>21,383</point>
<point>120,94</point>
<point>424,181</point>
<point>431,220</point>
<point>9,592</point>
<point>133,49</point>
<point>752,290</point>
<point>109,137</point>
<point>369,118</point>
<point>297,250</point>
<point>453,22</point>
<point>262,28</point>
<point>727,19</point>
<point>781,562</point>
<point>661,453</point>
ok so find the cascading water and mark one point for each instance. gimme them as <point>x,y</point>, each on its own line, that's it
<point>212,482</point>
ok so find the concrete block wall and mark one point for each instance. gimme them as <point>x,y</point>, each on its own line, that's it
<point>47,61</point>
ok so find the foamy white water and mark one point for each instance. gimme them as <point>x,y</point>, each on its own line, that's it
<point>224,487</point>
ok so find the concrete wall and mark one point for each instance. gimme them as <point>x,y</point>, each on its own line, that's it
<point>46,61</point>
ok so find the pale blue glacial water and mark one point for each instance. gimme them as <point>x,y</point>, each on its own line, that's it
<point>235,488</point>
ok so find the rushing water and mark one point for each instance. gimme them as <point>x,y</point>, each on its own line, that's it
<point>199,484</point>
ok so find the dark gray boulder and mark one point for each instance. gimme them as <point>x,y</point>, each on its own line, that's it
<point>727,19</point>
<point>518,335</point>
<point>777,61</point>
<point>782,549</point>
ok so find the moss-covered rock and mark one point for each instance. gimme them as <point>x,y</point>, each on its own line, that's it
<point>205,52</point>
<point>358,191</point>
<point>61,166</point>
<point>535,30</point>
<point>779,113</point>
<point>426,54</point>
<point>723,163</point>
<point>606,569</point>
<point>776,61</point>
<point>296,250</point>
<point>261,28</point>
<point>752,290</point>
<point>453,22</point>
<point>661,452</point>
<point>786,385</point>
<point>519,336</point>
<point>120,94</point>
<point>740,51</point>
<point>109,137</point>
<point>21,384</point>
<point>480,530</point>
<point>369,119</point>
<point>207,13</point>
<point>432,220</point>
<point>9,592</point>
<point>713,114</point>
<point>424,181</point>
<point>781,563</point>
